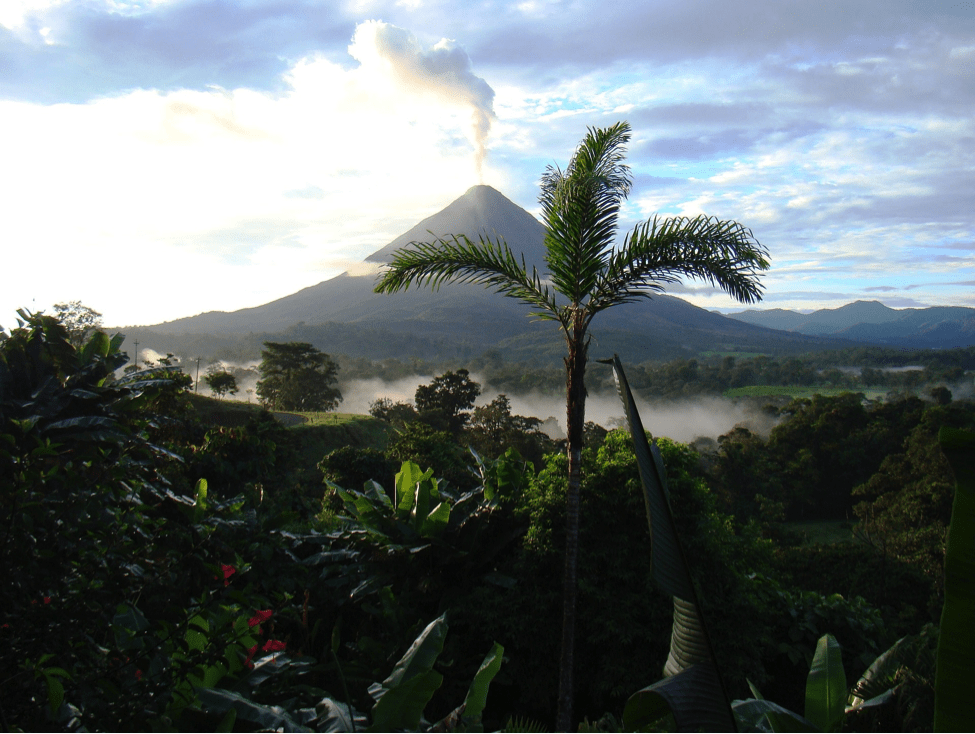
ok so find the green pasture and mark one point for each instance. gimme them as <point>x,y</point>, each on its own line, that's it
<point>315,433</point>
<point>322,433</point>
<point>231,413</point>
<point>799,391</point>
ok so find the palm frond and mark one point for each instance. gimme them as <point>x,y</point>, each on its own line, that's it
<point>457,259</point>
<point>580,207</point>
<point>663,250</point>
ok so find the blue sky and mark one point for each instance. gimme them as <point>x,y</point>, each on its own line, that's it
<point>168,157</point>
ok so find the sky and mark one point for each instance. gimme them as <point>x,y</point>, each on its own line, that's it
<point>163,158</point>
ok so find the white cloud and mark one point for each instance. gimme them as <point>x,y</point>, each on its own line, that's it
<point>14,13</point>
<point>155,183</point>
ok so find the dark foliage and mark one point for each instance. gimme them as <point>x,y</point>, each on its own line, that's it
<point>445,402</point>
<point>221,382</point>
<point>296,376</point>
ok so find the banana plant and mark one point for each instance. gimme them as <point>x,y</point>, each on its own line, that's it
<point>399,700</point>
<point>693,690</point>
<point>827,699</point>
<point>415,511</point>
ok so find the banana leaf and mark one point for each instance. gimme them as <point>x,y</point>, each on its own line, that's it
<point>826,686</point>
<point>694,690</point>
<point>269,718</point>
<point>401,698</point>
<point>757,714</point>
<point>954,679</point>
<point>477,694</point>
<point>878,681</point>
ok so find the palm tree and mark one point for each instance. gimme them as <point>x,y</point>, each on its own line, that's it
<point>580,207</point>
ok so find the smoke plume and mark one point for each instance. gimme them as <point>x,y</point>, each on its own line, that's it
<point>444,71</point>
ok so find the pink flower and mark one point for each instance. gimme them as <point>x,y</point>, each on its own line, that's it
<point>261,617</point>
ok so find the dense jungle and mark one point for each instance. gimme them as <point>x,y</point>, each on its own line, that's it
<point>177,562</point>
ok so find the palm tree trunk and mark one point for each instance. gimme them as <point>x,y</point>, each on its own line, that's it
<point>575,390</point>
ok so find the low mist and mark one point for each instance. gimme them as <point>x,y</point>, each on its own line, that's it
<point>682,421</point>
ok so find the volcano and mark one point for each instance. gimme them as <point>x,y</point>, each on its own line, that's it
<point>465,319</point>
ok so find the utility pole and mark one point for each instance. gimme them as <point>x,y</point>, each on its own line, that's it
<point>136,342</point>
<point>196,389</point>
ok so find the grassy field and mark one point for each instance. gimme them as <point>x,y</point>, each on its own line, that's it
<point>797,391</point>
<point>317,433</point>
<point>222,412</point>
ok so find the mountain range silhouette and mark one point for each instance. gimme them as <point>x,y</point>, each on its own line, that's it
<point>468,319</point>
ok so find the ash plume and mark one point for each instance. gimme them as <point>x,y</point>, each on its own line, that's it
<point>444,71</point>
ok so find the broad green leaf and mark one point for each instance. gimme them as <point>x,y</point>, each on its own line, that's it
<point>401,698</point>
<point>779,718</point>
<point>643,709</point>
<point>116,343</point>
<point>880,677</point>
<point>400,707</point>
<point>826,692</point>
<point>751,714</point>
<point>882,700</point>
<point>421,656</point>
<point>477,694</point>
<point>426,492</point>
<point>436,522</point>
<point>956,645</point>
<point>372,488</point>
<point>201,497</point>
<point>269,718</point>
<point>196,634</point>
<point>691,655</point>
<point>694,697</point>
<point>668,567</point>
<point>55,692</point>
<point>406,480</point>
<point>334,716</point>
<point>85,423</point>
<point>214,674</point>
<point>97,344</point>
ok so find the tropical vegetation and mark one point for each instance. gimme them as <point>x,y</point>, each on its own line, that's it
<point>155,554</point>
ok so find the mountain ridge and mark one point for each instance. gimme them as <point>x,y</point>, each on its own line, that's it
<point>936,327</point>
<point>469,319</point>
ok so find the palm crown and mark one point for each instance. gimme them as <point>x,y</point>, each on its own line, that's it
<point>580,207</point>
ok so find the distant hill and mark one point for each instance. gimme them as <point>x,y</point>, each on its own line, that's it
<point>343,315</point>
<point>937,327</point>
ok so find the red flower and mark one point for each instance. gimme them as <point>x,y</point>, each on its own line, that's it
<point>261,617</point>
<point>47,600</point>
<point>228,571</point>
<point>273,646</point>
<point>138,674</point>
<point>250,654</point>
